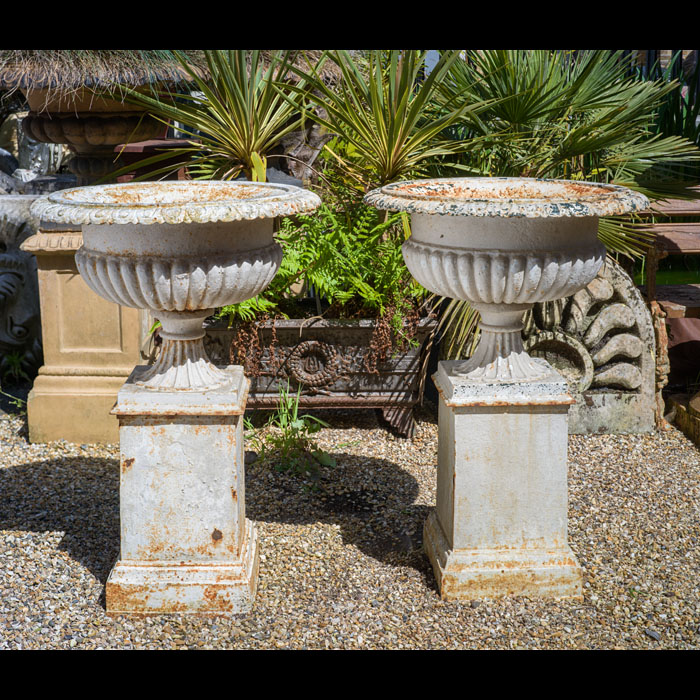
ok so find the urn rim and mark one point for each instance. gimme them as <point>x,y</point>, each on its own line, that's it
<point>507,197</point>
<point>174,202</point>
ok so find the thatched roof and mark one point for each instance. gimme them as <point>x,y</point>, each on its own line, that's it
<point>74,69</point>
<point>65,71</point>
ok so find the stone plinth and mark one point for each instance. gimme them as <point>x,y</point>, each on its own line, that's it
<point>186,546</point>
<point>500,526</point>
<point>90,346</point>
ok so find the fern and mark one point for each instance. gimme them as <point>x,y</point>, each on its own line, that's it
<point>351,258</point>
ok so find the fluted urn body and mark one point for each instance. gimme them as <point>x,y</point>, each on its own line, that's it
<point>179,249</point>
<point>503,244</point>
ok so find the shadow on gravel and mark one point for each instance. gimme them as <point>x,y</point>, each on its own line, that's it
<point>372,500</point>
<point>76,495</point>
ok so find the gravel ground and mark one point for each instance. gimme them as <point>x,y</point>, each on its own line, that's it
<point>341,557</point>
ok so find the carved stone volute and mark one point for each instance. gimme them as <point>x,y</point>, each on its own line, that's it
<point>602,340</point>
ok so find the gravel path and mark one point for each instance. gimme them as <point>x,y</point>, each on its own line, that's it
<point>341,559</point>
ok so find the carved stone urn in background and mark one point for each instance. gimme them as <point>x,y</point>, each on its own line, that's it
<point>74,98</point>
<point>503,244</point>
<point>180,249</point>
<point>91,125</point>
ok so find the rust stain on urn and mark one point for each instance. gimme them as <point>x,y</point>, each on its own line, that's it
<point>174,202</point>
<point>127,464</point>
<point>216,535</point>
<point>506,197</point>
<point>210,594</point>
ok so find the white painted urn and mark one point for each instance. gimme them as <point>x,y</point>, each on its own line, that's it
<point>179,249</point>
<point>503,244</point>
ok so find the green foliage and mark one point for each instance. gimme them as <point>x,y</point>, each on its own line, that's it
<point>19,404</point>
<point>235,117</point>
<point>286,437</point>
<point>12,367</point>
<point>678,113</point>
<point>556,115</point>
<point>352,259</point>
<point>383,113</point>
<point>349,256</point>
<point>568,115</point>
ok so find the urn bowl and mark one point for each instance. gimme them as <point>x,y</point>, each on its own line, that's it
<point>503,244</point>
<point>179,249</point>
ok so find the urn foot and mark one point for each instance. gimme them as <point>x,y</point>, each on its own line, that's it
<point>183,364</point>
<point>500,355</point>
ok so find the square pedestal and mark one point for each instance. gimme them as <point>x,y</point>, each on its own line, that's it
<point>500,525</point>
<point>90,346</point>
<point>186,546</point>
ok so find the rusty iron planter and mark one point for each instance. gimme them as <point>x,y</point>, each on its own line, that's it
<point>326,357</point>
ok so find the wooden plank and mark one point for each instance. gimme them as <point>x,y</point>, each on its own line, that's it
<point>679,300</point>
<point>676,239</point>
<point>675,207</point>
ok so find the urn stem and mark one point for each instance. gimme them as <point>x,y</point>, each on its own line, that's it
<point>182,363</point>
<point>500,354</point>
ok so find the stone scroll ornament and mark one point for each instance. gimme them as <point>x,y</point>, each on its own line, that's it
<point>601,339</point>
<point>180,250</point>
<point>20,328</point>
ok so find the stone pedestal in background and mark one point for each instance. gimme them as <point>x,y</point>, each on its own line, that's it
<point>500,526</point>
<point>90,346</point>
<point>186,545</point>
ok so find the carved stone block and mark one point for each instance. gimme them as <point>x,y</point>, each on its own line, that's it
<point>90,346</point>
<point>20,324</point>
<point>601,339</point>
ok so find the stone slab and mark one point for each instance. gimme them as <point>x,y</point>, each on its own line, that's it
<point>497,573</point>
<point>229,399</point>
<point>157,588</point>
<point>459,391</point>
<point>73,407</point>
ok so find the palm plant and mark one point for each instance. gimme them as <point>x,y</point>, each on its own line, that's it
<point>383,111</point>
<point>679,112</point>
<point>234,118</point>
<point>562,115</point>
<point>387,126</point>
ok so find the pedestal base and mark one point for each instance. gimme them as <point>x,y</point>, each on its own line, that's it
<point>73,407</point>
<point>186,545</point>
<point>156,588</point>
<point>468,574</point>
<point>500,525</point>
